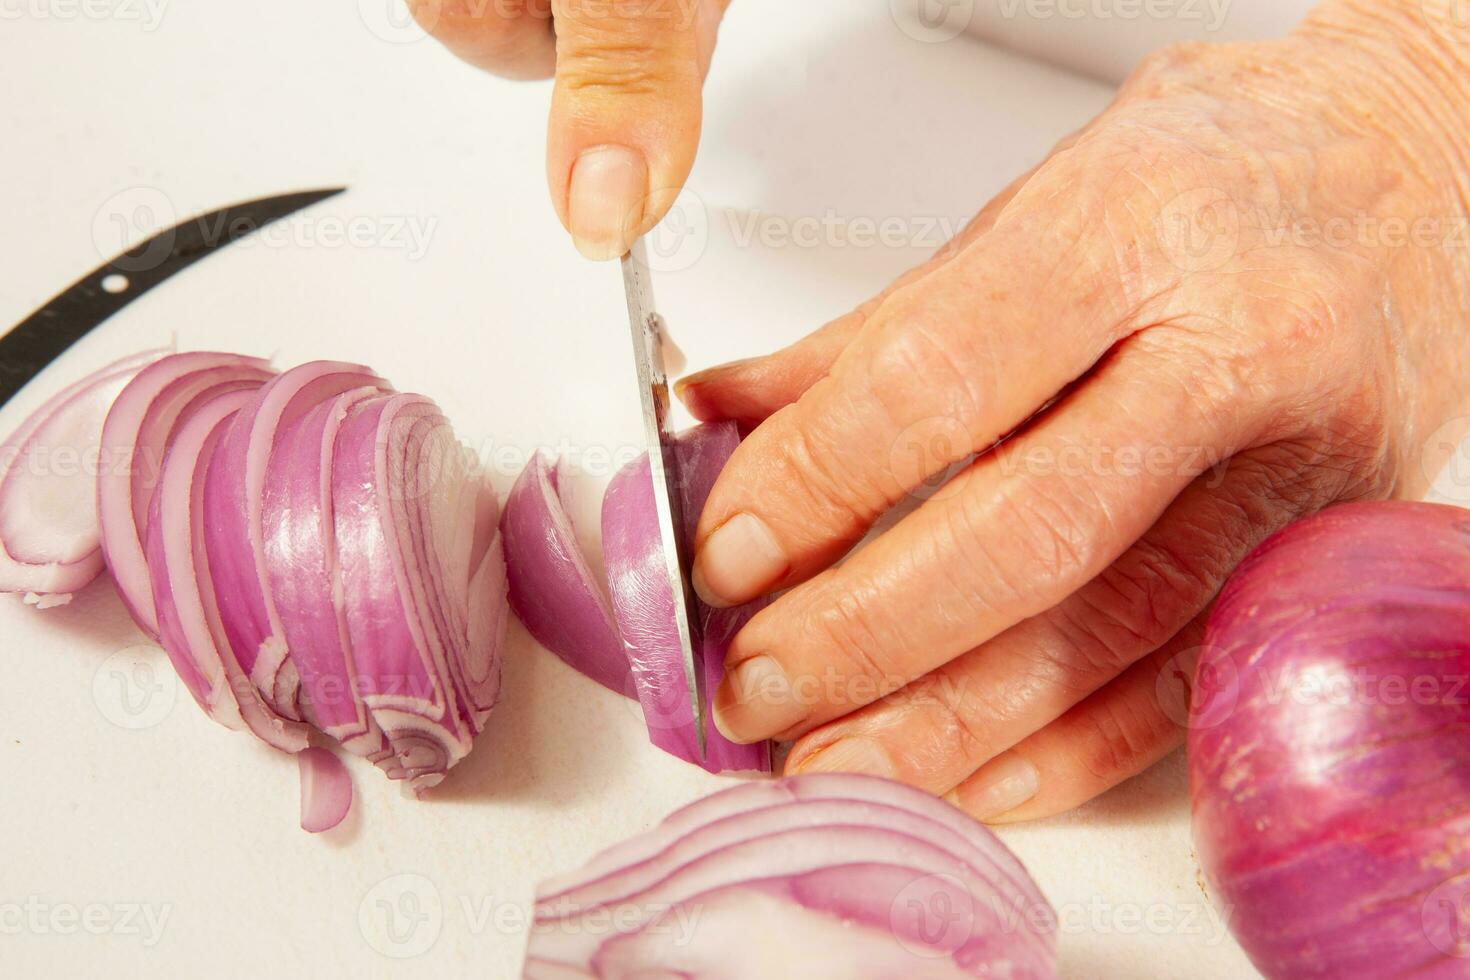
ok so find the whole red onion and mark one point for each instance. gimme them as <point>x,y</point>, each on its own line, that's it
<point>1329,748</point>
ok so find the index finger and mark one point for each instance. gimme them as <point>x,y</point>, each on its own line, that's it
<point>625,114</point>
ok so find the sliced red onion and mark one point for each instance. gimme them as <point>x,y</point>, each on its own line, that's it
<point>233,498</point>
<point>182,588</point>
<point>299,538</point>
<point>140,424</point>
<point>326,790</point>
<point>644,602</point>
<point>50,542</point>
<point>308,548</point>
<point>403,490</point>
<point>552,588</point>
<point>835,875</point>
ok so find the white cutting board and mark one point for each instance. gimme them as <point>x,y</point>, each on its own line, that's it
<point>118,800</point>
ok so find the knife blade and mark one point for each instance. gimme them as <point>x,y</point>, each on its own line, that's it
<point>653,390</point>
<point>74,312</point>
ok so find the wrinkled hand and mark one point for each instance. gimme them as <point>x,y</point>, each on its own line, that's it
<point>1240,295</point>
<point>625,115</point>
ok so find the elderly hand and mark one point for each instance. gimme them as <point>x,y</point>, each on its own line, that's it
<point>625,115</point>
<point>1240,295</point>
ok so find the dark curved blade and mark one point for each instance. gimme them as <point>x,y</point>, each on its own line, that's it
<point>72,313</point>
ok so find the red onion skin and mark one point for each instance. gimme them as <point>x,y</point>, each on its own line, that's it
<point>1331,801</point>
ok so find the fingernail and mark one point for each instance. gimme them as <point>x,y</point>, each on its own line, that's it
<point>756,701</point>
<point>605,200</point>
<point>1000,786</point>
<point>740,561</point>
<point>859,755</point>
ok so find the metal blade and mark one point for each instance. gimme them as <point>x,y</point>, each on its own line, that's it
<point>72,313</point>
<point>653,388</point>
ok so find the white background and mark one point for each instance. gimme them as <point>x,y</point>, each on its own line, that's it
<point>823,115</point>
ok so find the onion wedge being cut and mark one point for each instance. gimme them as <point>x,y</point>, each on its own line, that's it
<point>629,645</point>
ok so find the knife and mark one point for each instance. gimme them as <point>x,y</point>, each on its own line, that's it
<point>71,314</point>
<point>653,389</point>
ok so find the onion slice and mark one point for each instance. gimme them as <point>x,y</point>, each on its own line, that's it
<point>552,588</point>
<point>326,790</point>
<point>140,425</point>
<point>234,493</point>
<point>404,492</point>
<point>644,603</point>
<point>836,875</point>
<point>183,589</point>
<point>50,539</point>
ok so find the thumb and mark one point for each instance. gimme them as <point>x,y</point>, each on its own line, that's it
<point>625,114</point>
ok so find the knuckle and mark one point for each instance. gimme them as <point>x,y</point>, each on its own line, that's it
<point>859,644</point>
<point>1053,546</point>
<point>954,719</point>
<point>1133,607</point>
<point>1119,743</point>
<point>924,353</point>
<point>829,490</point>
<point>614,66</point>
